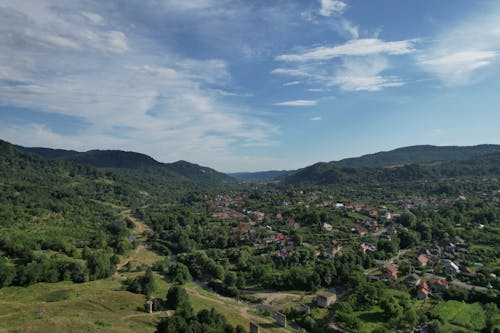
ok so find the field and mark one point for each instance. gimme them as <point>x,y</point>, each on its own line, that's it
<point>461,317</point>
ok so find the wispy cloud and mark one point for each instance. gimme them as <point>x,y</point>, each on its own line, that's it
<point>364,74</point>
<point>460,54</point>
<point>292,83</point>
<point>316,118</point>
<point>357,47</point>
<point>457,68</point>
<point>80,61</point>
<point>330,7</point>
<point>299,102</point>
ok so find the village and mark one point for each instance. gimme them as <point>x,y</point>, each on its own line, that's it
<point>424,271</point>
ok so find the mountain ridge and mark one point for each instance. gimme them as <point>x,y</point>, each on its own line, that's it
<point>129,160</point>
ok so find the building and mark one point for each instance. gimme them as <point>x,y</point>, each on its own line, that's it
<point>450,268</point>
<point>422,260</point>
<point>437,285</point>
<point>332,251</point>
<point>390,272</point>
<point>325,299</point>
<point>327,227</point>
<point>423,291</point>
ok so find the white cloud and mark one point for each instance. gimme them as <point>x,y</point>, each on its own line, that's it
<point>457,68</point>
<point>364,75</point>
<point>117,41</point>
<point>316,118</point>
<point>299,102</point>
<point>329,7</point>
<point>93,17</point>
<point>300,72</point>
<point>461,54</point>
<point>111,78</point>
<point>292,83</point>
<point>357,47</point>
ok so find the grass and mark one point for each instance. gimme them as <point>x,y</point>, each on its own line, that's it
<point>68,307</point>
<point>468,316</point>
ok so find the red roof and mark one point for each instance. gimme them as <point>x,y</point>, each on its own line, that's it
<point>422,260</point>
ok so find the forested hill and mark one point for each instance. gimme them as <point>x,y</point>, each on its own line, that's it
<point>56,221</point>
<point>259,175</point>
<point>334,173</point>
<point>124,160</point>
<point>419,155</point>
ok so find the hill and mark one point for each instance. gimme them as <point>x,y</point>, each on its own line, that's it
<point>335,173</point>
<point>419,155</point>
<point>124,160</point>
<point>260,175</point>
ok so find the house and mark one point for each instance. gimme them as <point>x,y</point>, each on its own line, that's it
<point>332,251</point>
<point>258,215</point>
<point>373,213</point>
<point>339,205</point>
<point>422,260</point>
<point>450,268</point>
<point>437,285</point>
<point>372,225</point>
<point>325,299</point>
<point>390,272</point>
<point>423,291</point>
<point>413,280</point>
<point>326,227</point>
<point>365,246</point>
<point>361,231</point>
<point>294,224</point>
<point>387,216</point>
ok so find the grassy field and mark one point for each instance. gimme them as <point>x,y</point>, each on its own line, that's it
<point>67,307</point>
<point>460,316</point>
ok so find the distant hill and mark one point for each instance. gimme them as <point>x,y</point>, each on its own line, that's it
<point>125,160</point>
<point>199,173</point>
<point>418,155</point>
<point>404,164</point>
<point>259,176</point>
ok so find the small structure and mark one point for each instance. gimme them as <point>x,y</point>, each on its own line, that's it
<point>438,285</point>
<point>280,319</point>
<point>422,260</point>
<point>423,291</point>
<point>413,280</point>
<point>149,304</point>
<point>332,251</point>
<point>325,299</point>
<point>327,227</point>
<point>254,328</point>
<point>305,309</point>
<point>390,272</point>
<point>450,267</point>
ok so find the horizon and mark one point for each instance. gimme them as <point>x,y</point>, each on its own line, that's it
<point>244,86</point>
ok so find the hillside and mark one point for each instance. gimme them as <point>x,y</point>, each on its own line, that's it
<point>419,155</point>
<point>335,173</point>
<point>180,171</point>
<point>259,176</point>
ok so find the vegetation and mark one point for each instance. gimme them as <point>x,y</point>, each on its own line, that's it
<point>81,218</point>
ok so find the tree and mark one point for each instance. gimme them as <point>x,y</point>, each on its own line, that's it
<point>176,296</point>
<point>179,273</point>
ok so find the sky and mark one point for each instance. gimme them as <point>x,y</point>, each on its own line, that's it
<point>249,85</point>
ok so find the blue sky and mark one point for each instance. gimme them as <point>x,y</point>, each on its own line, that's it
<point>249,85</point>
